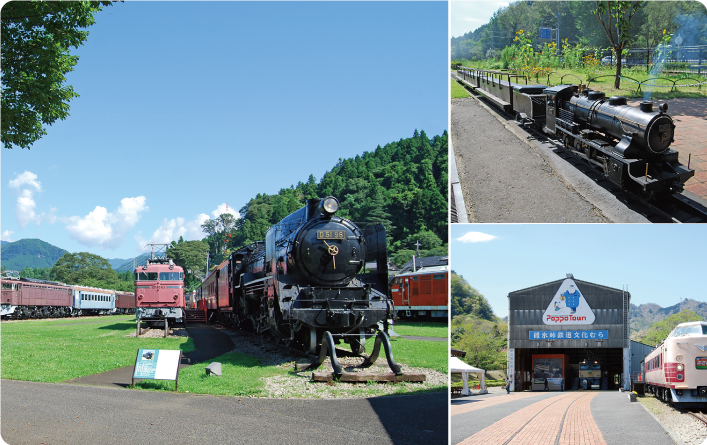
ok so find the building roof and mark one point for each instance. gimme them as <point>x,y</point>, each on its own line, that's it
<point>458,352</point>
<point>421,263</point>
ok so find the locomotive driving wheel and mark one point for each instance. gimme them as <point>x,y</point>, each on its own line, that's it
<point>310,340</point>
<point>358,342</point>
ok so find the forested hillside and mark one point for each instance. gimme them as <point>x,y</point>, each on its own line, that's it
<point>402,185</point>
<point>644,317</point>
<point>475,328</point>
<point>659,330</point>
<point>32,253</point>
<point>579,24</point>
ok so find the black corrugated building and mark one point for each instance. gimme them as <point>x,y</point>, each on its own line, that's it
<point>569,320</point>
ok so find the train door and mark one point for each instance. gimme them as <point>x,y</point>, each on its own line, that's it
<point>407,290</point>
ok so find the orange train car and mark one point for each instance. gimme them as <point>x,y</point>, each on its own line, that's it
<point>422,294</point>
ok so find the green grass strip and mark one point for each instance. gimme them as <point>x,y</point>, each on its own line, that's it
<point>458,91</point>
<point>242,375</point>
<point>422,329</point>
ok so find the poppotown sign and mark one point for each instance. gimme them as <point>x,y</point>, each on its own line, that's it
<point>568,307</point>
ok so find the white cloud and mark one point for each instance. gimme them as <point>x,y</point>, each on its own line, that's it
<point>26,178</point>
<point>106,230</point>
<point>24,208</point>
<point>7,235</point>
<point>26,183</point>
<point>223,208</point>
<point>475,237</point>
<point>171,229</point>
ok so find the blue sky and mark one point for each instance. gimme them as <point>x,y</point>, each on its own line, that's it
<point>660,263</point>
<point>188,106</point>
<point>467,16</point>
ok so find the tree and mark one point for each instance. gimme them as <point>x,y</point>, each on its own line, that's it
<point>622,13</point>
<point>81,267</point>
<point>190,256</point>
<point>36,39</point>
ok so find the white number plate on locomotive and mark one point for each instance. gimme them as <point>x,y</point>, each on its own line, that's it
<point>331,234</point>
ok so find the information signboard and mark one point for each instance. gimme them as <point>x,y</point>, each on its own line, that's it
<point>545,33</point>
<point>157,364</point>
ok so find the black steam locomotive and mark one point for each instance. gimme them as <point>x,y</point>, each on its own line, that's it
<point>302,280</point>
<point>629,145</point>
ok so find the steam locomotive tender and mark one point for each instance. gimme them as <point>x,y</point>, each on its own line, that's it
<point>301,281</point>
<point>629,145</point>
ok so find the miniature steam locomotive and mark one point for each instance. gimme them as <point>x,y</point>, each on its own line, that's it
<point>629,145</point>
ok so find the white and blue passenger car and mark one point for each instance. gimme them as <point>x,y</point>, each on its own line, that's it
<point>93,301</point>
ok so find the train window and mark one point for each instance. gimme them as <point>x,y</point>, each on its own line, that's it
<point>688,330</point>
<point>145,276</point>
<point>439,276</point>
<point>170,276</point>
<point>414,278</point>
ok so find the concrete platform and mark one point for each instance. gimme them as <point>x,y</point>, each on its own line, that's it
<point>570,417</point>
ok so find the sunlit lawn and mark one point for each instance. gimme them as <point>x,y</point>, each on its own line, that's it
<point>57,350</point>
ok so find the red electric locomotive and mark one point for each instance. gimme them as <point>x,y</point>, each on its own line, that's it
<point>676,371</point>
<point>30,298</point>
<point>159,289</point>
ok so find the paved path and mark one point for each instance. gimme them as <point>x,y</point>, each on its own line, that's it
<point>570,417</point>
<point>208,341</point>
<point>414,337</point>
<point>503,179</point>
<point>35,413</point>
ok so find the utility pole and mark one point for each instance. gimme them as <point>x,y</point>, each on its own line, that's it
<point>418,248</point>
<point>207,264</point>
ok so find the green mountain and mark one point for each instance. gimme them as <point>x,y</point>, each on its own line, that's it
<point>643,317</point>
<point>117,262</point>
<point>33,253</point>
<point>129,265</point>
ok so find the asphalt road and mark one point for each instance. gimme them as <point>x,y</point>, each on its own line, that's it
<point>45,413</point>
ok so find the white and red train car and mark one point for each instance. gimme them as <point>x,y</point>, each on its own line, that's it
<point>676,371</point>
<point>422,294</point>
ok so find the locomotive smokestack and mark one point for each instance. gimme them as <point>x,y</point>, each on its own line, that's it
<point>312,206</point>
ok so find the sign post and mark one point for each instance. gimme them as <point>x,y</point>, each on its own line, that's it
<point>158,364</point>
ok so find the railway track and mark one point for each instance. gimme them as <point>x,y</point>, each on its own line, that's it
<point>699,415</point>
<point>677,208</point>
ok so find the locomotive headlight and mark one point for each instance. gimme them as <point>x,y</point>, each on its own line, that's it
<point>330,205</point>
<point>679,376</point>
<point>680,367</point>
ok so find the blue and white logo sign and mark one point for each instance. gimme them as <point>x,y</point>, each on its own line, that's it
<point>569,335</point>
<point>568,306</point>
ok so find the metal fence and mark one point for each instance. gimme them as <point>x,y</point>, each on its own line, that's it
<point>673,60</point>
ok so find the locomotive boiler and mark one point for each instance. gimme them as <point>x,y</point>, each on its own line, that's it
<point>302,280</point>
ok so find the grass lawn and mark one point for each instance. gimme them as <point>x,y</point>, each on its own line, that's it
<point>420,354</point>
<point>57,350</point>
<point>456,91</point>
<point>422,329</point>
